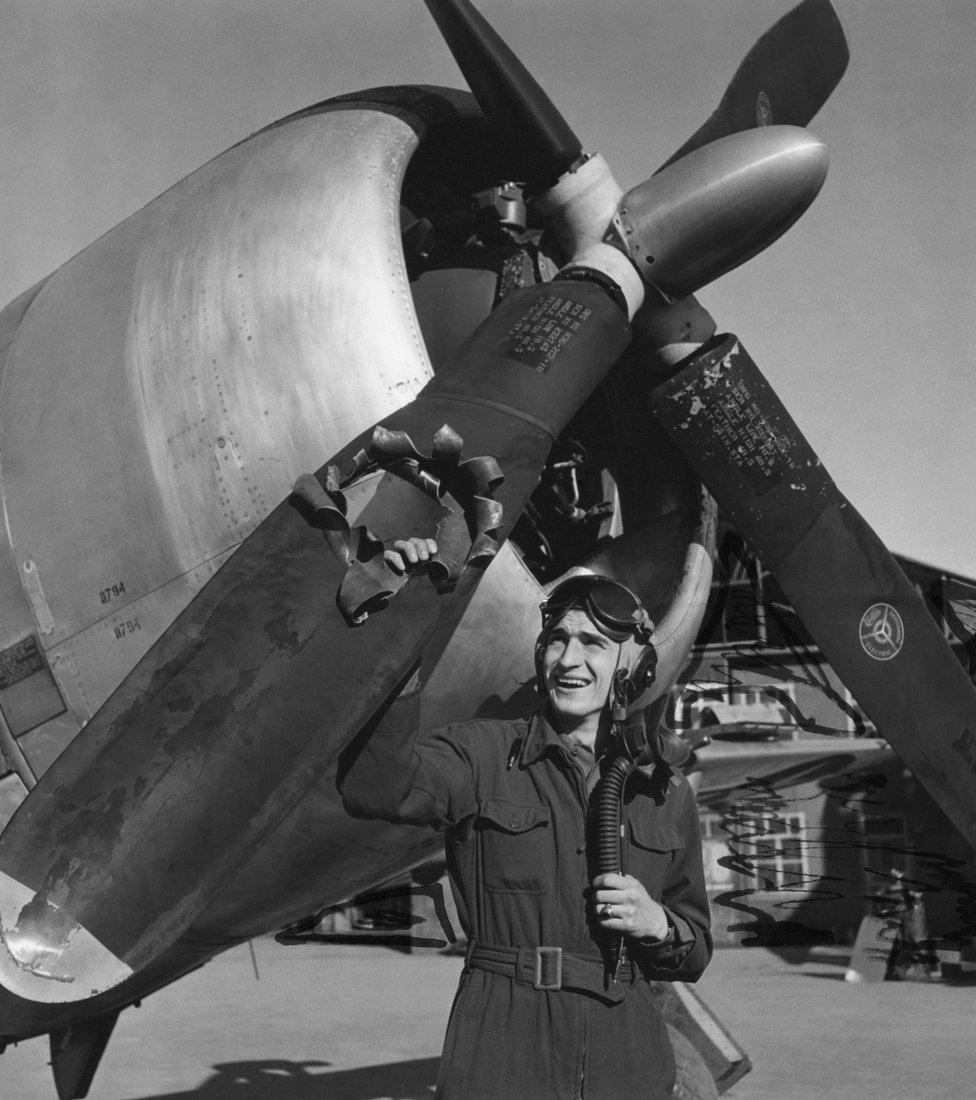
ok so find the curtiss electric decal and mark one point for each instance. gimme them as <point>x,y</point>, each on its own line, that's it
<point>882,632</point>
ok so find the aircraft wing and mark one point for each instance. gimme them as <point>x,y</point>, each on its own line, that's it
<point>724,765</point>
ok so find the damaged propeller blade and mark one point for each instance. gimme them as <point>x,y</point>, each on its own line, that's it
<point>864,613</point>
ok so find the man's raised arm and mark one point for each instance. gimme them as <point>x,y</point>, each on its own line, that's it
<point>392,773</point>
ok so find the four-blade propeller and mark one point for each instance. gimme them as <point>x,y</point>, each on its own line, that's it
<point>679,230</point>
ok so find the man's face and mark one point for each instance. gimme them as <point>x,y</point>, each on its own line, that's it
<point>578,666</point>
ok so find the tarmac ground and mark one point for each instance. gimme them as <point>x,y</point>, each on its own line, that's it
<point>366,1023</point>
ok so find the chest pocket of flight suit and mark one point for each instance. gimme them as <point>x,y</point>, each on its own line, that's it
<point>516,846</point>
<point>654,847</point>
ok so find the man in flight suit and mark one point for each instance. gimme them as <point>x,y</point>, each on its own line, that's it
<point>545,1006</point>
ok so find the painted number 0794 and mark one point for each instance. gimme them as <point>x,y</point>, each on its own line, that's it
<point>112,592</point>
<point>123,630</point>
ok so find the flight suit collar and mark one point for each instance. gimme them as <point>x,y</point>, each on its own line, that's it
<point>540,737</point>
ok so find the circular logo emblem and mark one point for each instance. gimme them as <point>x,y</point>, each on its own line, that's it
<point>764,110</point>
<point>882,632</point>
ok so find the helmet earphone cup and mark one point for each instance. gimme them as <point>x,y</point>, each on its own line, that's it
<point>640,664</point>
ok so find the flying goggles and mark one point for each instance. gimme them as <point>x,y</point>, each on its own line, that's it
<point>611,605</point>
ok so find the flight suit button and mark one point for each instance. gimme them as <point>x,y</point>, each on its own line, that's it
<point>574,751</point>
<point>515,821</point>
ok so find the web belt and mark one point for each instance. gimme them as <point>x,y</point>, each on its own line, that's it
<point>551,968</point>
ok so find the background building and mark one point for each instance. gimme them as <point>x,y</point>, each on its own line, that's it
<point>805,810</point>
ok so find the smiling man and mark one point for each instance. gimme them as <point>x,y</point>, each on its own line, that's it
<point>578,665</point>
<point>548,1005</point>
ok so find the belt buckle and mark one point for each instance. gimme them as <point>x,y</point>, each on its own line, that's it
<point>547,961</point>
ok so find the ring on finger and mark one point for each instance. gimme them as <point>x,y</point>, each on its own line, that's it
<point>606,913</point>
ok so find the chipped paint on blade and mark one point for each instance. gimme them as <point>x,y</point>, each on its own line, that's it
<point>47,956</point>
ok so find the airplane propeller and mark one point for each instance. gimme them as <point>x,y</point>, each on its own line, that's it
<point>720,410</point>
<point>118,848</point>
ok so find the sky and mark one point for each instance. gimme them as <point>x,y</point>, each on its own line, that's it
<point>863,316</point>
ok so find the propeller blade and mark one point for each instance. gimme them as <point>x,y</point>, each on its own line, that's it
<point>785,78</point>
<point>507,92</point>
<point>249,697</point>
<point>867,618</point>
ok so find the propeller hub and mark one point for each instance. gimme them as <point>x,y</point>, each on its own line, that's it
<point>719,206</point>
<point>579,207</point>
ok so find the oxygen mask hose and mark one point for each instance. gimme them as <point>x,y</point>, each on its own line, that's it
<point>605,816</point>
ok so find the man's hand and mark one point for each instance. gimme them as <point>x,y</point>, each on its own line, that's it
<point>621,904</point>
<point>407,553</point>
